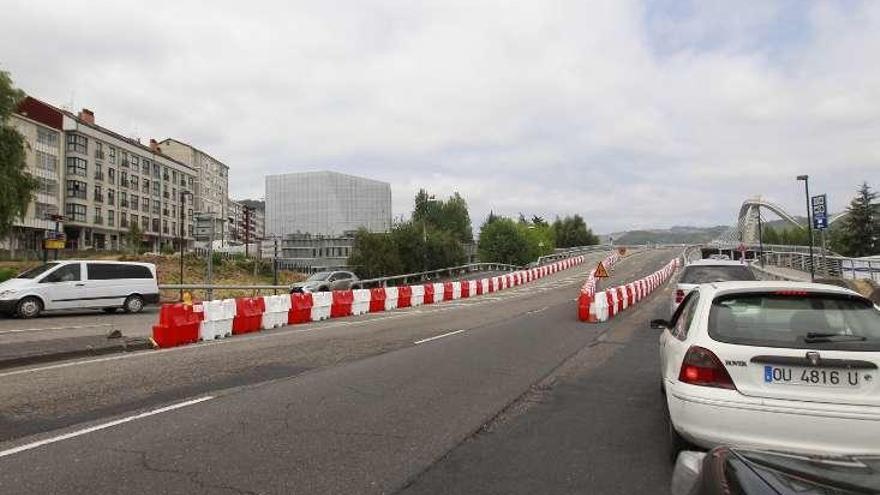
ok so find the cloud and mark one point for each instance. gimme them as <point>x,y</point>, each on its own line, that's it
<point>633,114</point>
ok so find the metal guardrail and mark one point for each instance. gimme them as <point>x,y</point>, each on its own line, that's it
<point>573,251</point>
<point>367,283</point>
<point>826,266</point>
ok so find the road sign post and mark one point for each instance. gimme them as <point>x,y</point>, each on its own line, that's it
<point>820,211</point>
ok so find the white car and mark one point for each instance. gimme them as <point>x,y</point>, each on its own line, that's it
<point>773,365</point>
<point>705,271</point>
<point>80,284</point>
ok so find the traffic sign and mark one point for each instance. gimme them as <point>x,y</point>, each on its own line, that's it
<point>820,211</point>
<point>600,272</point>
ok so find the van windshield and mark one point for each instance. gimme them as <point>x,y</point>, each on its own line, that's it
<point>37,271</point>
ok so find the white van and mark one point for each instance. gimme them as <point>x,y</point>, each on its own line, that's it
<point>80,284</point>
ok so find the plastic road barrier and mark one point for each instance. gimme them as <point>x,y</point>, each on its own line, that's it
<point>321,302</point>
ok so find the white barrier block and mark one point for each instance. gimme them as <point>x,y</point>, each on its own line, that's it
<point>391,296</point>
<point>456,290</point>
<point>484,283</point>
<point>321,302</point>
<point>472,288</point>
<point>438,292</point>
<point>418,295</point>
<point>360,301</point>
<point>600,300</point>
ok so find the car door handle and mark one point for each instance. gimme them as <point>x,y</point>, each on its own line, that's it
<point>79,285</point>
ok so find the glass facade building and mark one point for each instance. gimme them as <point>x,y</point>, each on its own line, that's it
<point>325,203</point>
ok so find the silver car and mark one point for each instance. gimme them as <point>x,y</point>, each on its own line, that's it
<point>326,281</point>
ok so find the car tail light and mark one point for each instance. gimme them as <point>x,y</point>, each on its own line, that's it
<point>702,367</point>
<point>679,296</point>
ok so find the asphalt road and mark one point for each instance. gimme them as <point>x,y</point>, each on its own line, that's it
<point>408,400</point>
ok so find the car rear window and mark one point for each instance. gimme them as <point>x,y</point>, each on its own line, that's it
<point>796,320</point>
<point>707,274</point>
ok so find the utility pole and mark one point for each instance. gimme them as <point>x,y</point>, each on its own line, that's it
<point>275,266</point>
<point>760,238</point>
<point>806,179</point>
<point>211,262</point>
<point>247,230</point>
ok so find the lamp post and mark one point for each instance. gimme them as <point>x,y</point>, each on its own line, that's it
<point>181,232</point>
<point>806,179</point>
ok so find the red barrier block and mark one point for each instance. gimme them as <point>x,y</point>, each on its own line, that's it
<point>300,308</point>
<point>620,298</point>
<point>479,287</point>
<point>429,293</point>
<point>248,314</point>
<point>377,300</point>
<point>341,305</point>
<point>584,302</point>
<point>404,296</point>
<point>492,284</point>
<point>612,309</point>
<point>178,325</point>
<point>466,289</point>
<point>447,291</point>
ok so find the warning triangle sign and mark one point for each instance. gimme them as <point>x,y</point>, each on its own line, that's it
<point>600,272</point>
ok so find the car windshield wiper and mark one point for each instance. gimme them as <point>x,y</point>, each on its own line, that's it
<point>814,337</point>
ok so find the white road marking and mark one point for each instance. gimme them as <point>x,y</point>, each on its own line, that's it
<point>103,426</point>
<point>46,329</point>
<point>438,337</point>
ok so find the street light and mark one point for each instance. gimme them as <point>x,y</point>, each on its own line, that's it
<point>182,245</point>
<point>806,179</point>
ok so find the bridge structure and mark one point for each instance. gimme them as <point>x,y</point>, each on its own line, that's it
<point>745,230</point>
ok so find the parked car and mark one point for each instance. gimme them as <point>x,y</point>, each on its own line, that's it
<point>326,281</point>
<point>727,470</point>
<point>773,365</point>
<point>80,284</point>
<point>705,271</point>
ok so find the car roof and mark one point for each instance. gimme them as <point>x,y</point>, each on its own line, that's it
<point>107,261</point>
<point>725,288</point>
<point>708,262</point>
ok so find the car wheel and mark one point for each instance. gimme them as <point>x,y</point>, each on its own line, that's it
<point>29,307</point>
<point>109,310</point>
<point>133,304</point>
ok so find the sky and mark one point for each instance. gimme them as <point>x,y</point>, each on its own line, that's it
<point>633,114</point>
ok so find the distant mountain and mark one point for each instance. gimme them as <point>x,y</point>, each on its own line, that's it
<point>672,235</point>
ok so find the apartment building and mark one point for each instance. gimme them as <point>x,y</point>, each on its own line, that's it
<point>41,129</point>
<point>106,182</point>
<point>247,220</point>
<point>211,188</point>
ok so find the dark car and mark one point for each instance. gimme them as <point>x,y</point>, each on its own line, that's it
<point>326,281</point>
<point>733,471</point>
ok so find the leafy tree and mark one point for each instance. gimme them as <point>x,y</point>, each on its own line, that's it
<point>539,238</point>
<point>374,255</point>
<point>860,229</point>
<point>573,231</point>
<point>539,221</point>
<point>17,186</point>
<point>443,249</point>
<point>503,241</point>
<point>133,237</point>
<point>450,215</point>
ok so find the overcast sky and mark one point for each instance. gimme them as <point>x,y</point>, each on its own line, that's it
<point>632,113</point>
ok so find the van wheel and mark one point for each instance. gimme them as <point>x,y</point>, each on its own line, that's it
<point>133,304</point>
<point>29,307</point>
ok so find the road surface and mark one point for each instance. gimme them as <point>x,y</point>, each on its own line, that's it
<point>503,393</point>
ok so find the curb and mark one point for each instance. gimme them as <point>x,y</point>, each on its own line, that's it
<point>127,345</point>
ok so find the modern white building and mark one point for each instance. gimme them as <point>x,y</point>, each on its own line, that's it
<point>325,203</point>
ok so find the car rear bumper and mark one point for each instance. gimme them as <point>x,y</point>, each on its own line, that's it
<point>791,426</point>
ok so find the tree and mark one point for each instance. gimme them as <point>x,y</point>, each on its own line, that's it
<point>859,232</point>
<point>17,186</point>
<point>503,241</point>
<point>450,215</point>
<point>539,239</point>
<point>573,231</point>
<point>133,237</point>
<point>374,255</point>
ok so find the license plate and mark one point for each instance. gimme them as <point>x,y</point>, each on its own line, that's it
<point>818,377</point>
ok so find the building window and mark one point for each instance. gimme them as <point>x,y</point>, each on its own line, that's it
<point>99,150</point>
<point>75,212</point>
<point>99,171</point>
<point>111,175</point>
<point>146,188</point>
<point>156,186</point>
<point>174,211</point>
<point>99,219</point>
<point>155,225</point>
<point>157,207</point>
<point>145,222</point>
<point>123,178</point>
<point>47,162</point>
<point>146,167</point>
<point>123,158</point>
<point>164,226</point>
<point>77,166</point>
<point>47,137</point>
<point>145,206</point>
<point>48,187</point>
<point>77,189</point>
<point>123,199</point>
<point>111,154</point>
<point>99,194</point>
<point>111,197</point>
<point>174,227</point>
<point>156,170</point>
<point>165,174</point>
<point>123,220</point>
<point>135,162</point>
<point>111,218</point>
<point>134,202</point>
<point>135,182</point>
<point>43,211</point>
<point>77,143</point>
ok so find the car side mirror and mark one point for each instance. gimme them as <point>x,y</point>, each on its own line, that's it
<point>660,324</point>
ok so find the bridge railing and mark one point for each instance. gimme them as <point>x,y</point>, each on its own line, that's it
<point>826,266</point>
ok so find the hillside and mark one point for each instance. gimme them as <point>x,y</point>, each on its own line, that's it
<point>673,235</point>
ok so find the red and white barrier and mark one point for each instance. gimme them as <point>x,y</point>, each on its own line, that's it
<point>597,306</point>
<point>183,324</point>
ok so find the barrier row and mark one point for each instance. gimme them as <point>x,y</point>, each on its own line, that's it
<point>181,324</point>
<point>595,307</point>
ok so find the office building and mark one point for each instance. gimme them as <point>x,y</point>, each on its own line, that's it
<point>325,203</point>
